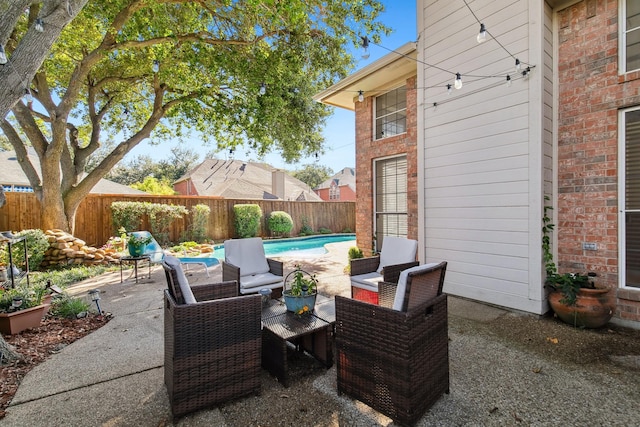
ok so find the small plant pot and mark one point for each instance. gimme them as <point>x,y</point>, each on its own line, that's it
<point>136,250</point>
<point>296,304</point>
<point>592,309</point>
<point>18,321</point>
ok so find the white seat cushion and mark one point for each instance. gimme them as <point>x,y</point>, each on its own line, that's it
<point>254,282</point>
<point>368,281</point>
<point>397,250</point>
<point>174,263</point>
<point>247,254</point>
<point>398,300</point>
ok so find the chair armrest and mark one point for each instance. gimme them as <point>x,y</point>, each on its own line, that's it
<point>276,267</point>
<point>364,265</point>
<point>211,291</point>
<point>230,272</point>
<point>391,273</point>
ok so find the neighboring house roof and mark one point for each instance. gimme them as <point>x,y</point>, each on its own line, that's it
<point>237,179</point>
<point>12,176</point>
<point>374,79</point>
<point>346,177</point>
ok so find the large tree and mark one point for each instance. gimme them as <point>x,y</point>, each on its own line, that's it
<point>29,50</point>
<point>237,72</point>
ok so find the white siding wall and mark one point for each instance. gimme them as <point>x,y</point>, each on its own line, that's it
<point>486,148</point>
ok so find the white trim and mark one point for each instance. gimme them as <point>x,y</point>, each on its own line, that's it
<point>420,135</point>
<point>374,112</point>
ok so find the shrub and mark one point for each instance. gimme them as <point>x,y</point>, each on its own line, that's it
<point>247,220</point>
<point>37,244</point>
<point>355,252</point>
<point>306,229</point>
<point>67,275</point>
<point>69,307</point>
<point>160,218</point>
<point>199,220</point>
<point>324,230</point>
<point>347,230</point>
<point>127,215</point>
<point>280,223</point>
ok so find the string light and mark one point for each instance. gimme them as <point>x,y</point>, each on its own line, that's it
<point>156,65</point>
<point>525,73</point>
<point>508,80</point>
<point>365,47</point>
<point>263,89</point>
<point>39,25</point>
<point>3,56</point>
<point>28,98</point>
<point>435,106</point>
<point>517,65</point>
<point>458,82</point>
<point>448,88</point>
<point>482,35</point>
<point>360,96</point>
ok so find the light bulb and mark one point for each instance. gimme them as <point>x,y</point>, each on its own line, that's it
<point>28,98</point>
<point>448,88</point>
<point>517,65</point>
<point>39,25</point>
<point>435,106</point>
<point>365,47</point>
<point>156,65</point>
<point>508,80</point>
<point>3,56</point>
<point>263,89</point>
<point>482,35</point>
<point>360,96</point>
<point>458,83</point>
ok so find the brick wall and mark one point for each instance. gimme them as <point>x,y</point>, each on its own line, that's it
<point>590,94</point>
<point>367,150</point>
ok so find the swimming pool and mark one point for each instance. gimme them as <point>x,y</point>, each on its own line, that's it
<point>295,247</point>
<point>299,247</point>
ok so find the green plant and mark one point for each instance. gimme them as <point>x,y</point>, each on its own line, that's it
<point>199,220</point>
<point>127,214</point>
<point>67,275</point>
<point>306,229</point>
<point>303,283</point>
<point>280,222</point>
<point>28,297</point>
<point>160,218</point>
<point>69,307</point>
<point>355,252</point>
<point>324,230</point>
<point>247,219</point>
<point>137,240</point>
<point>37,244</point>
<point>569,284</point>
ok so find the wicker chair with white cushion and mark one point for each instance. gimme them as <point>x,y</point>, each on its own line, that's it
<point>246,263</point>
<point>397,254</point>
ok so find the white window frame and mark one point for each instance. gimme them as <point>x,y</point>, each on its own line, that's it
<point>622,211</point>
<point>375,113</point>
<point>622,54</point>
<point>378,245</point>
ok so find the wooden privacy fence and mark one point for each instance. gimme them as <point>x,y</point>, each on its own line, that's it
<point>94,222</point>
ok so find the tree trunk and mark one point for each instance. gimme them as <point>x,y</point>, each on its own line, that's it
<point>7,353</point>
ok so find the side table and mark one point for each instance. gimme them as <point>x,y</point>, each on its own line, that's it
<point>135,260</point>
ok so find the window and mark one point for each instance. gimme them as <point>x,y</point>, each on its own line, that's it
<point>334,192</point>
<point>631,35</point>
<point>630,195</point>
<point>391,113</point>
<point>390,198</point>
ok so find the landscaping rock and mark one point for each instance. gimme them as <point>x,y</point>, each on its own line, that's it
<point>65,249</point>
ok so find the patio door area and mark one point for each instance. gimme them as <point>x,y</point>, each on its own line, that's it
<point>630,198</point>
<point>390,198</point>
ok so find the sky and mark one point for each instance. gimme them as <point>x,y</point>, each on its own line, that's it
<point>339,131</point>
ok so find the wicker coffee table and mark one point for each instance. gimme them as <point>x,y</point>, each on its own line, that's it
<point>312,333</point>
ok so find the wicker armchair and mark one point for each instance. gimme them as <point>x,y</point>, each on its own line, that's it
<point>212,347</point>
<point>397,254</point>
<point>246,263</point>
<point>396,361</point>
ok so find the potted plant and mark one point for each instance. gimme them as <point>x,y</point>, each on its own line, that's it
<point>22,308</point>
<point>300,290</point>
<point>574,298</point>
<point>137,243</point>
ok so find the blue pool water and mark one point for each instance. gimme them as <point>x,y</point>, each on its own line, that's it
<point>300,247</point>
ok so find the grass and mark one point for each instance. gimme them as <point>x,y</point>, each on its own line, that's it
<point>66,276</point>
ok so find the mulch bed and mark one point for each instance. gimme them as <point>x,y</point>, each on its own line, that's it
<point>36,345</point>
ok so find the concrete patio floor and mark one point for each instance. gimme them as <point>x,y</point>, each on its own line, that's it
<point>114,376</point>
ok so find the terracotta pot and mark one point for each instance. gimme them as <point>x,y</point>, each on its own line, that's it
<point>18,321</point>
<point>593,308</point>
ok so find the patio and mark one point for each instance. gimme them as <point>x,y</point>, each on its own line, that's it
<point>506,369</point>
